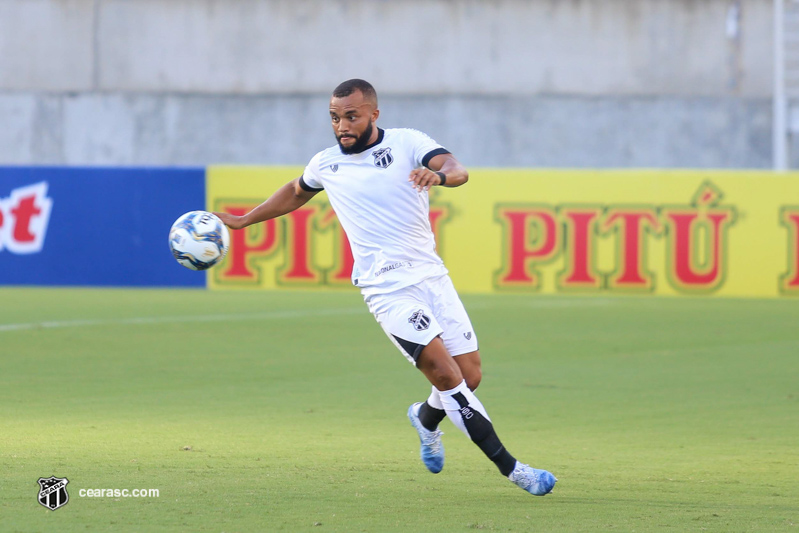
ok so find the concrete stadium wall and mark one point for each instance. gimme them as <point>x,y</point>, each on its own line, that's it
<point>520,131</point>
<point>696,47</point>
<point>510,82</point>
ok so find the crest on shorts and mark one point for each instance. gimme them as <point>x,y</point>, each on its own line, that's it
<point>383,157</point>
<point>468,336</point>
<point>420,320</point>
<point>53,492</point>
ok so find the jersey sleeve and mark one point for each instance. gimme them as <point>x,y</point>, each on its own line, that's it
<point>310,180</point>
<point>424,148</point>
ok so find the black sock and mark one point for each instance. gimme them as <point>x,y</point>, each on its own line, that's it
<point>482,433</point>
<point>430,417</point>
<point>504,461</point>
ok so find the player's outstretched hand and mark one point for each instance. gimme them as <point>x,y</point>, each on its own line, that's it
<point>231,221</point>
<point>424,178</point>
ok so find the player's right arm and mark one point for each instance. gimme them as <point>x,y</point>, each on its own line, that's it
<point>286,199</point>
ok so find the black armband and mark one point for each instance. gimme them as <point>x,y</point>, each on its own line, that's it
<point>442,176</point>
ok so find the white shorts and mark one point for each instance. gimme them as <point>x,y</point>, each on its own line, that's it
<point>412,317</point>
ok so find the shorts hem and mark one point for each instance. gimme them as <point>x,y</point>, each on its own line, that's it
<point>465,351</point>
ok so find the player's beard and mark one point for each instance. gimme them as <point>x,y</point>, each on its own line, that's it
<point>360,144</point>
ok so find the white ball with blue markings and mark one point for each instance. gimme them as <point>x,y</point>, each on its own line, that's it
<point>199,240</point>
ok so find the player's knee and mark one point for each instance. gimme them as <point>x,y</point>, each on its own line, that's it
<point>444,378</point>
<point>439,367</point>
<point>471,369</point>
<point>474,378</point>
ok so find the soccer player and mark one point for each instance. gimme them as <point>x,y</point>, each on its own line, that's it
<point>377,182</point>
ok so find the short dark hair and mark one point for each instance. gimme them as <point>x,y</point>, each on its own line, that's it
<point>350,86</point>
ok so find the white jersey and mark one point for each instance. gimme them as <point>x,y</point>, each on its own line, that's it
<point>387,221</point>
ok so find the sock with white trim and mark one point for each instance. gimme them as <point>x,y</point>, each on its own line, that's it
<point>469,415</point>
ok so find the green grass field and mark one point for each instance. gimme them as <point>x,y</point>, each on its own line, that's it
<point>286,411</point>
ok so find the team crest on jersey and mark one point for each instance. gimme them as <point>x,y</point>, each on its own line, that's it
<point>334,167</point>
<point>420,320</point>
<point>383,157</point>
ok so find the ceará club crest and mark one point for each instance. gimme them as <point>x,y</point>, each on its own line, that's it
<point>383,157</point>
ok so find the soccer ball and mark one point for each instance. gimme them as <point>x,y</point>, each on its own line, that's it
<point>199,240</point>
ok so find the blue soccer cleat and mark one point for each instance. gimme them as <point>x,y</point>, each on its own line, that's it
<point>432,451</point>
<point>536,482</point>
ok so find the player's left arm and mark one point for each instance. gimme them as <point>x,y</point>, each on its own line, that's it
<point>442,169</point>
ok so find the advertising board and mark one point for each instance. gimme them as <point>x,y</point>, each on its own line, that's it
<point>95,226</point>
<point>664,232</point>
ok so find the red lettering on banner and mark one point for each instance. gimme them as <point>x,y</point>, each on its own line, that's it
<point>696,235</point>
<point>686,267</point>
<point>298,266</point>
<point>246,245</point>
<point>531,236</point>
<point>580,271</point>
<point>24,212</point>
<point>631,225</point>
<point>697,241</point>
<point>789,282</point>
<point>345,259</point>
<point>24,217</point>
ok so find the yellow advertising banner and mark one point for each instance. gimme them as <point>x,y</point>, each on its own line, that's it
<point>663,232</point>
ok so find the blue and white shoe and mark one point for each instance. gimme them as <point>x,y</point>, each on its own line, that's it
<point>432,450</point>
<point>536,482</point>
